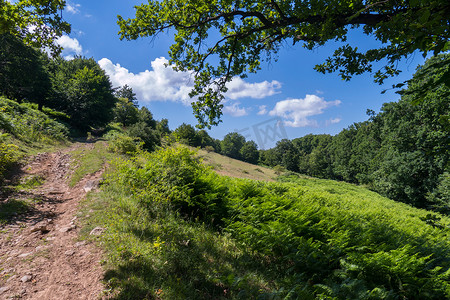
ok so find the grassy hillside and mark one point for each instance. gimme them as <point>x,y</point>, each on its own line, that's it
<point>25,131</point>
<point>228,166</point>
<point>175,229</point>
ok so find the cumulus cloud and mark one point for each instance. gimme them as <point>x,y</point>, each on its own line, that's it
<point>296,112</point>
<point>234,110</point>
<point>262,110</point>
<point>238,88</point>
<point>159,84</point>
<point>71,46</point>
<point>164,84</point>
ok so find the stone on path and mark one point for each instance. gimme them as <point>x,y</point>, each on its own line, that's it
<point>26,278</point>
<point>69,252</point>
<point>90,185</point>
<point>66,229</point>
<point>97,231</point>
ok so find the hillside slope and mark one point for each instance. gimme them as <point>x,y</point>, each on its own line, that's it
<point>177,230</point>
<point>228,166</point>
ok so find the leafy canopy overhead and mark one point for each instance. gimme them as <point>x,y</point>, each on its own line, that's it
<point>220,39</point>
<point>38,22</point>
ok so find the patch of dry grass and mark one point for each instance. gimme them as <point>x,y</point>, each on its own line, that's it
<point>235,168</point>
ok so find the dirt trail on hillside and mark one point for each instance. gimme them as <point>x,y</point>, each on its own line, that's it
<point>40,256</point>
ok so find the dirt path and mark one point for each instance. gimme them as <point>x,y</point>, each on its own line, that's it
<point>40,257</point>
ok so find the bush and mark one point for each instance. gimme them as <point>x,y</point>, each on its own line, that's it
<point>8,156</point>
<point>174,177</point>
<point>124,144</point>
<point>279,169</point>
<point>209,149</point>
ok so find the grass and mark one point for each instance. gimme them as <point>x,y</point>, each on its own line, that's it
<point>235,168</point>
<point>11,208</point>
<point>168,258</point>
<point>176,230</point>
<point>88,160</point>
<point>30,182</point>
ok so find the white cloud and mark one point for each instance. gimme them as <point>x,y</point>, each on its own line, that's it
<point>238,88</point>
<point>262,110</point>
<point>234,110</point>
<point>159,84</point>
<point>296,112</point>
<point>165,84</point>
<point>333,121</point>
<point>73,8</point>
<point>71,46</point>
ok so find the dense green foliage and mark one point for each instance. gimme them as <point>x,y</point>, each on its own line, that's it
<point>177,230</point>
<point>39,22</point>
<point>8,156</point>
<point>78,88</point>
<point>232,144</point>
<point>134,128</point>
<point>25,124</point>
<point>235,146</point>
<point>81,89</point>
<point>403,152</point>
<point>23,71</point>
<point>127,93</point>
<point>188,135</point>
<point>222,39</point>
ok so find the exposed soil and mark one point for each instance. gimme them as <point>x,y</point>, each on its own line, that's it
<point>41,256</point>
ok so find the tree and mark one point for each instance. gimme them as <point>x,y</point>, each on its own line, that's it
<point>23,71</point>
<point>249,152</point>
<point>221,39</point>
<point>127,93</point>
<point>187,134</point>
<point>163,127</point>
<point>287,155</point>
<point>145,116</point>
<point>231,145</point>
<point>205,139</point>
<point>38,22</point>
<point>145,127</point>
<point>125,112</point>
<point>83,91</point>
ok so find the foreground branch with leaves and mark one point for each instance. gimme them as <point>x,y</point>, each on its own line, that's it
<point>221,39</point>
<point>39,22</point>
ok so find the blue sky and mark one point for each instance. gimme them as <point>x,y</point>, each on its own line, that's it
<point>287,92</point>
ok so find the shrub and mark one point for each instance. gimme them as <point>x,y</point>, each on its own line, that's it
<point>279,169</point>
<point>8,156</point>
<point>209,149</point>
<point>175,178</point>
<point>124,144</point>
